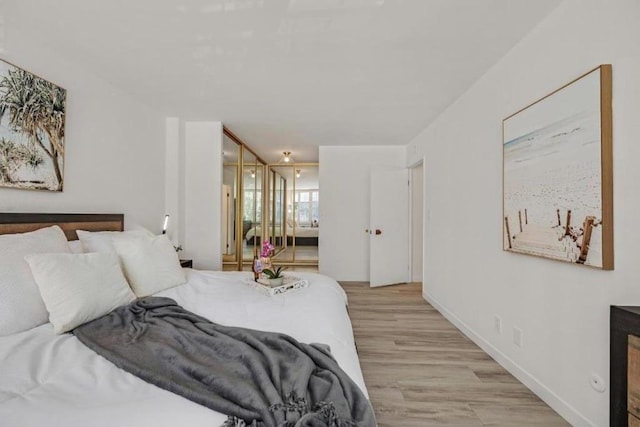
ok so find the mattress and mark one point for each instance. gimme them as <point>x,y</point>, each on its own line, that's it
<point>54,380</point>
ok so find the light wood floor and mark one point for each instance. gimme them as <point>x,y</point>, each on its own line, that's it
<point>421,371</point>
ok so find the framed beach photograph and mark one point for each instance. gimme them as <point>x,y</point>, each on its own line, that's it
<point>32,120</point>
<point>558,174</point>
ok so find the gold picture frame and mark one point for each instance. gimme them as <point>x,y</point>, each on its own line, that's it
<point>558,174</point>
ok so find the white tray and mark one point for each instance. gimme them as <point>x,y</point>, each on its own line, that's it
<point>289,284</point>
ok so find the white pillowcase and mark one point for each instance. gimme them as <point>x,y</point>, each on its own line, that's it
<point>21,306</point>
<point>78,288</point>
<point>102,241</point>
<point>76,246</point>
<point>151,265</point>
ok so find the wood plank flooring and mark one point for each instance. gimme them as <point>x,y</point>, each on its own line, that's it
<point>421,371</point>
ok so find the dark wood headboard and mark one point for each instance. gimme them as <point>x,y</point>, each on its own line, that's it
<point>13,222</point>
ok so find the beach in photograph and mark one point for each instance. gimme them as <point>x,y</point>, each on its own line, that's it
<point>557,166</point>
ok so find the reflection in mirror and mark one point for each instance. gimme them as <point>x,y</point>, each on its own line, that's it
<point>252,205</point>
<point>281,231</point>
<point>277,187</point>
<point>305,207</point>
<point>231,155</point>
<point>300,215</point>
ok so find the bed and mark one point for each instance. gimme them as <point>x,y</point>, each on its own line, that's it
<point>54,380</point>
<point>305,236</point>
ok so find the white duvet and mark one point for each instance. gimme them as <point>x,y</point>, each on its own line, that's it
<point>300,232</point>
<point>49,380</point>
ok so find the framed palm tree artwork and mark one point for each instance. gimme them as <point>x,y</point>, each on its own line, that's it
<point>32,117</point>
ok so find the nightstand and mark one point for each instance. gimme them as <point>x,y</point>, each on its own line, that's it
<point>186,263</point>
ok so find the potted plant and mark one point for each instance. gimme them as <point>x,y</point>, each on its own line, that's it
<point>276,277</point>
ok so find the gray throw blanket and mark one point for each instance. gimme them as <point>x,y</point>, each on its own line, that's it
<point>258,379</point>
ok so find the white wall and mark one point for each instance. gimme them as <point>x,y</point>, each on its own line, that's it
<point>114,161</point>
<point>174,168</point>
<point>345,172</point>
<point>562,309</point>
<point>203,194</point>
<point>417,208</point>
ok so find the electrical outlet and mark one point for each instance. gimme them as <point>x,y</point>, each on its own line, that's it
<point>517,337</point>
<point>497,324</point>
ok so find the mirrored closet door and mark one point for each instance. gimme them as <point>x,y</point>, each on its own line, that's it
<point>280,202</point>
<point>231,151</point>
<point>243,202</point>
<point>252,202</point>
<point>294,212</point>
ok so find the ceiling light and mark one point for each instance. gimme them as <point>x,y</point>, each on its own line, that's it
<point>297,173</point>
<point>287,157</point>
<point>253,173</point>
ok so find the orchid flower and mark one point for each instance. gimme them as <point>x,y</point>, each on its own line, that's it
<point>267,249</point>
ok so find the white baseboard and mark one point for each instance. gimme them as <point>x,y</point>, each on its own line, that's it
<point>565,410</point>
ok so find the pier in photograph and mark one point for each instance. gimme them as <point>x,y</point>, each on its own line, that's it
<point>562,242</point>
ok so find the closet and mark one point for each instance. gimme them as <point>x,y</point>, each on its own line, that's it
<point>278,202</point>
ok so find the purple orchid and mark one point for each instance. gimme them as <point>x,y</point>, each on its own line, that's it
<point>267,249</point>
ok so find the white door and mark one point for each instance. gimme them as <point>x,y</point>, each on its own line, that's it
<point>389,227</point>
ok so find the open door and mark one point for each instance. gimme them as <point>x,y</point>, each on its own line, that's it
<point>389,227</point>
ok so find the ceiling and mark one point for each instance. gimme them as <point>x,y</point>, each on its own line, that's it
<point>288,74</point>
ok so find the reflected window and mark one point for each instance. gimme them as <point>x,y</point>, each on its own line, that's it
<point>253,205</point>
<point>307,204</point>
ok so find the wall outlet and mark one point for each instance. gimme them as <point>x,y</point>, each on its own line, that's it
<point>497,324</point>
<point>517,337</point>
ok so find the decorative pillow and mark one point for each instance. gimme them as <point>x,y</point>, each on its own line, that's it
<point>102,241</point>
<point>76,246</point>
<point>151,265</point>
<point>21,306</point>
<point>78,288</point>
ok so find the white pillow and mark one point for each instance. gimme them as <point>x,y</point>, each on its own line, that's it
<point>21,306</point>
<point>151,265</point>
<point>76,246</point>
<point>78,288</point>
<point>102,241</point>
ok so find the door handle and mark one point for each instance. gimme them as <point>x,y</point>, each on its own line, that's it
<point>378,232</point>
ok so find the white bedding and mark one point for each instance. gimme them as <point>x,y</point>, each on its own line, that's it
<point>49,380</point>
<point>300,232</point>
